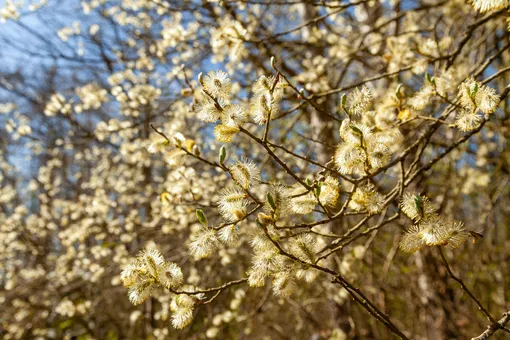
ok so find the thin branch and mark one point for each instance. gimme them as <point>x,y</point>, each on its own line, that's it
<point>209,290</point>
<point>500,324</point>
<point>482,308</point>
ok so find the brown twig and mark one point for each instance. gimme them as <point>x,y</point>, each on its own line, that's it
<point>480,306</point>
<point>500,324</point>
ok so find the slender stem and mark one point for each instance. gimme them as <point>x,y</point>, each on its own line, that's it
<point>209,290</point>
<point>272,154</point>
<point>482,308</point>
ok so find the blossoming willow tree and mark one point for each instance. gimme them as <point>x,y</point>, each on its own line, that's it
<point>254,169</point>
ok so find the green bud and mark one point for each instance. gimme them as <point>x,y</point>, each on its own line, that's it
<point>343,100</point>
<point>272,60</point>
<point>270,200</point>
<point>397,91</point>
<point>430,79</point>
<point>356,130</point>
<point>201,217</point>
<point>418,202</point>
<point>318,189</point>
<point>473,90</point>
<point>223,154</point>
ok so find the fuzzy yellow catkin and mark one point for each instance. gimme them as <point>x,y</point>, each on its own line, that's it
<point>489,5</point>
<point>244,173</point>
<point>147,271</point>
<point>433,231</point>
<point>218,84</point>
<point>224,133</point>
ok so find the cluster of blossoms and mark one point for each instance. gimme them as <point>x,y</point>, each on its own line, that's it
<point>215,103</point>
<point>268,262</point>
<point>303,201</point>
<point>66,32</point>
<point>232,205</point>
<point>432,88</point>
<point>214,106</point>
<point>362,149</point>
<point>11,10</point>
<point>149,270</point>
<point>57,104</point>
<point>267,94</point>
<point>367,198</point>
<point>92,96</point>
<point>66,307</point>
<point>18,126</point>
<point>244,173</point>
<point>227,41</point>
<point>173,156</point>
<point>429,228</point>
<point>475,98</point>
